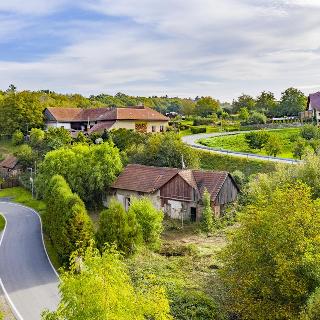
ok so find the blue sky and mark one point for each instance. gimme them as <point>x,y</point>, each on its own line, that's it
<point>151,47</point>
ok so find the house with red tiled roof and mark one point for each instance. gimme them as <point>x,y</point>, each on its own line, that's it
<point>178,192</point>
<point>137,118</point>
<point>314,106</point>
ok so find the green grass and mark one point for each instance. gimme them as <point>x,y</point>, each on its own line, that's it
<point>213,161</point>
<point>23,196</point>
<point>237,142</point>
<point>2,222</point>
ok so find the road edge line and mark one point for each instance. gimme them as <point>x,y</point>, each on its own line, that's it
<point>43,243</point>
<point>12,306</point>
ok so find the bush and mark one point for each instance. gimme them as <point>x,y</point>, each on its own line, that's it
<point>119,227</point>
<point>274,145</point>
<point>17,137</point>
<point>239,177</point>
<point>196,130</point>
<point>36,137</point>
<point>299,148</point>
<point>25,156</point>
<point>207,222</point>
<point>66,220</point>
<point>150,220</point>
<point>202,121</point>
<point>309,131</point>
<point>257,139</point>
<point>257,118</point>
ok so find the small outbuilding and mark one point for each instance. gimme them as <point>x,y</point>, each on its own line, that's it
<point>178,192</point>
<point>9,167</point>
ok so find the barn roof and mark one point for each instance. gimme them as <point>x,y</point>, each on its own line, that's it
<point>314,101</point>
<point>105,114</point>
<point>149,179</point>
<point>9,162</point>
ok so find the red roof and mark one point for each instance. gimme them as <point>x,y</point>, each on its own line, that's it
<point>9,162</point>
<point>149,179</point>
<point>101,126</point>
<point>102,114</point>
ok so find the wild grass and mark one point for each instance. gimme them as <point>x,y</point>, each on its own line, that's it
<point>237,142</point>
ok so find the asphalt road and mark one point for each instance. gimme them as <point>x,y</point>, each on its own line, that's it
<point>26,274</point>
<point>192,141</point>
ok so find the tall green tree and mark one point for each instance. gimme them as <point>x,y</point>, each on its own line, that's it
<point>292,102</point>
<point>244,101</point>
<point>271,266</point>
<point>98,286</point>
<point>266,103</point>
<point>116,226</point>
<point>206,106</point>
<point>89,170</point>
<point>150,220</point>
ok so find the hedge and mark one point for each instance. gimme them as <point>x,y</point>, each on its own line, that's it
<point>196,130</point>
<point>65,220</point>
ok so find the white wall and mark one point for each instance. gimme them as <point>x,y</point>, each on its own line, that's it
<point>66,125</point>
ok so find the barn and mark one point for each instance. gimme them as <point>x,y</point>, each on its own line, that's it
<point>178,192</point>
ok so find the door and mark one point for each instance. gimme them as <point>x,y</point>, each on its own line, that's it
<point>193,214</point>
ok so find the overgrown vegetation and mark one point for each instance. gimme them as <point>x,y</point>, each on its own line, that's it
<point>2,222</point>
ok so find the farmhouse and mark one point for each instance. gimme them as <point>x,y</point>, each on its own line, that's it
<point>178,192</point>
<point>314,106</point>
<point>138,118</point>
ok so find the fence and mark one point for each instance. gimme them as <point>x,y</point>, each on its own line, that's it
<point>10,184</point>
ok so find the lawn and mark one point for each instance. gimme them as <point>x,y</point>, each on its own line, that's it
<point>23,196</point>
<point>2,222</point>
<point>237,142</point>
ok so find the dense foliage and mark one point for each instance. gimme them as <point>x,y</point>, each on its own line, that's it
<point>98,287</point>
<point>116,226</point>
<point>149,219</point>
<point>272,264</point>
<point>65,220</point>
<point>88,169</point>
<point>207,213</point>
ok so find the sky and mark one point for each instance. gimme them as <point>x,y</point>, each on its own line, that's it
<point>186,48</point>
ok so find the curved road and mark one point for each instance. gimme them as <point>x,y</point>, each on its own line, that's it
<point>192,141</point>
<point>27,277</point>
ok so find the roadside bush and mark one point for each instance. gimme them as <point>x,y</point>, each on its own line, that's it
<point>196,130</point>
<point>66,220</point>
<point>17,137</point>
<point>257,139</point>
<point>309,131</point>
<point>150,220</point>
<point>116,226</point>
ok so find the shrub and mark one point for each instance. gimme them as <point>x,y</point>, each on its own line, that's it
<point>202,121</point>
<point>273,146</point>
<point>312,311</point>
<point>66,220</point>
<point>257,139</point>
<point>257,118</point>
<point>239,177</point>
<point>36,137</point>
<point>25,156</point>
<point>196,130</point>
<point>17,137</point>
<point>150,220</point>
<point>119,227</point>
<point>309,131</point>
<point>299,148</point>
<point>207,222</point>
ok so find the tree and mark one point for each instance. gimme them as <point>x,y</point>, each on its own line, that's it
<point>257,139</point>
<point>36,137</point>
<point>315,145</point>
<point>309,131</point>
<point>266,103</point>
<point>57,138</point>
<point>150,220</point>
<point>89,170</point>
<point>274,145</point>
<point>206,106</point>
<point>98,286</point>
<point>164,150</point>
<point>244,114</point>
<point>244,101</point>
<point>292,102</point>
<point>299,148</point>
<point>17,137</point>
<point>116,226</point>
<point>257,118</point>
<point>25,155</point>
<point>66,220</point>
<point>272,263</point>
<point>207,222</point>
<point>188,107</point>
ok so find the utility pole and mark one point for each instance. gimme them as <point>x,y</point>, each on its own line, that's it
<point>31,181</point>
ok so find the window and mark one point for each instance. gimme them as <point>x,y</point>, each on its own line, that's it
<point>154,128</point>
<point>127,203</point>
<point>161,128</point>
